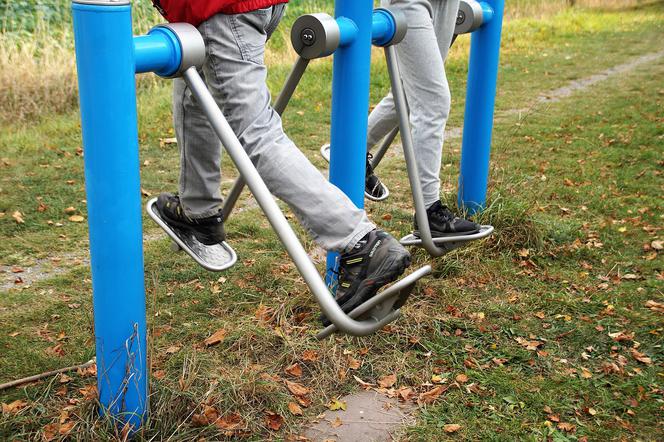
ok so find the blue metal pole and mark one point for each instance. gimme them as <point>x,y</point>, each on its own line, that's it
<point>106,70</point>
<point>350,104</point>
<point>480,101</point>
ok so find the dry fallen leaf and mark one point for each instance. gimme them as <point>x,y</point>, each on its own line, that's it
<point>274,421</point>
<point>50,431</point>
<point>362,383</point>
<point>310,356</point>
<point>230,423</point>
<point>207,417</point>
<point>18,217</point>
<point>294,370</point>
<point>565,426</point>
<point>173,349</point>
<point>462,378</point>
<point>641,357</point>
<point>336,404</point>
<point>451,428</point>
<point>294,409</point>
<point>337,423</point>
<point>297,389</point>
<point>216,338</point>
<point>388,381</point>
<point>14,407</point>
<point>431,395</point>
<point>76,219</point>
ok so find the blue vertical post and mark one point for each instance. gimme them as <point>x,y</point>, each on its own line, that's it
<point>106,71</point>
<point>480,101</point>
<point>350,101</point>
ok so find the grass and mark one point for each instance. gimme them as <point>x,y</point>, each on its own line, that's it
<point>575,198</point>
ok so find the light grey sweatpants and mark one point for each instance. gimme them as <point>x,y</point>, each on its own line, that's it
<point>421,55</point>
<point>235,73</point>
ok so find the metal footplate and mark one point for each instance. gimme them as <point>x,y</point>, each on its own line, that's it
<point>449,243</point>
<point>216,258</point>
<point>384,307</point>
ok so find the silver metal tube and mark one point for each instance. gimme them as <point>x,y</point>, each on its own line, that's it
<point>274,215</point>
<point>279,106</point>
<point>384,146</point>
<point>409,153</point>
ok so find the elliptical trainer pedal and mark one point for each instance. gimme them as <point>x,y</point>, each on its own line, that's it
<point>448,243</point>
<point>216,257</point>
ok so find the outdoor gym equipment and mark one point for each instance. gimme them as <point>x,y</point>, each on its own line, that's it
<point>108,57</point>
<point>484,20</point>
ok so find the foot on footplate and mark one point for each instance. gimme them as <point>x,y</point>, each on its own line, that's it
<point>384,304</point>
<point>449,243</point>
<point>216,257</point>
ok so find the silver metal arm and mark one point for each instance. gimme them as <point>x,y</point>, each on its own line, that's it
<point>409,153</point>
<point>276,218</point>
<point>384,146</point>
<point>279,106</point>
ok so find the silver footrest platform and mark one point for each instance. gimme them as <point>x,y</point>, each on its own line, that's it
<point>384,307</point>
<point>449,243</point>
<point>216,258</point>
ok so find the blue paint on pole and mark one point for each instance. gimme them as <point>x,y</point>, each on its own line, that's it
<point>350,107</point>
<point>480,101</point>
<point>105,62</point>
<point>158,52</point>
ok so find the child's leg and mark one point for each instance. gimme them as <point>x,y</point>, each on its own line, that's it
<point>200,155</point>
<point>236,75</point>
<point>420,57</point>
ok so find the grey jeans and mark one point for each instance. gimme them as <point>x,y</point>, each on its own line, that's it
<point>421,55</point>
<point>235,73</point>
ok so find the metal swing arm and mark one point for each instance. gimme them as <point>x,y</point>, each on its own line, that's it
<point>328,305</point>
<point>409,153</point>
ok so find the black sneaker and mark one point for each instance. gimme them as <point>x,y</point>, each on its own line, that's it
<point>375,261</point>
<point>208,231</point>
<point>374,189</point>
<point>443,222</point>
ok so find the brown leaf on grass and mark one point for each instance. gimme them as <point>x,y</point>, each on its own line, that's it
<point>540,315</point>
<point>14,407</point>
<point>215,338</point>
<point>294,370</point>
<point>264,313</point>
<point>207,417</point>
<point>273,421</point>
<point>431,395</point>
<point>89,392</point>
<point>173,349</point>
<point>18,217</point>
<point>451,428</point>
<point>50,431</point>
<point>621,336</point>
<point>657,245</point>
<point>567,427</point>
<point>294,409</point>
<point>336,423</point>
<point>531,345</point>
<point>353,363</point>
<point>64,379</point>
<point>88,371</point>
<point>310,356</point>
<point>297,389</point>
<point>56,350</point>
<point>66,427</point>
<point>655,306</point>
<point>70,210</point>
<point>388,381</point>
<point>585,373</point>
<point>640,357</point>
<point>462,378</point>
<point>231,422</point>
<point>405,393</point>
<point>159,374</point>
<point>76,219</point>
